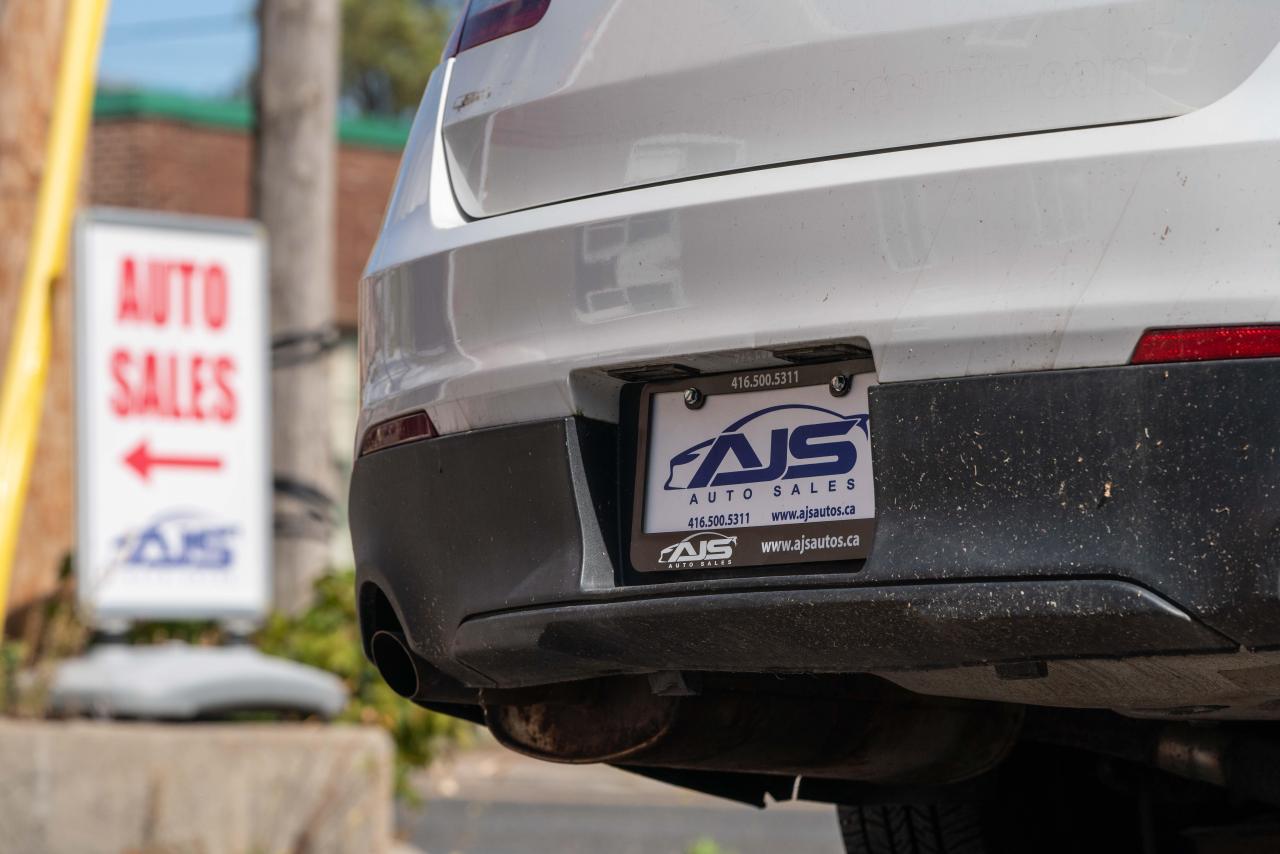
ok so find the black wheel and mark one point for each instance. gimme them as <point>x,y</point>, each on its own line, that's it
<point>1041,799</point>
<point>913,829</point>
<point>1048,800</point>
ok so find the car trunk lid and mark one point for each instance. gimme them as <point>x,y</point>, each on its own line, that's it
<point>604,95</point>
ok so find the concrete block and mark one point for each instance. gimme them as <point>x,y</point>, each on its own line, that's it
<point>111,788</point>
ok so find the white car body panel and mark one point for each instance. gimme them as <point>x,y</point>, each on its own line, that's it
<point>607,94</point>
<point>1025,253</point>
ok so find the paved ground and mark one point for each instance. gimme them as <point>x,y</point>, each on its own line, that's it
<point>491,801</point>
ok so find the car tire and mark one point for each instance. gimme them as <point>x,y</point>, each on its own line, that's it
<point>912,829</point>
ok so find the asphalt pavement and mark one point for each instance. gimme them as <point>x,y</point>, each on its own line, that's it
<point>490,801</point>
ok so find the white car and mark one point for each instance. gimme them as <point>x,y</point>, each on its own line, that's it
<point>864,401</point>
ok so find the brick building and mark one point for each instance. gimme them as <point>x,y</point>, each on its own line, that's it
<point>175,153</point>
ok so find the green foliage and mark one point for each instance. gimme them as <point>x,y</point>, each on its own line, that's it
<point>12,655</point>
<point>706,845</point>
<point>389,48</point>
<point>327,636</point>
<point>40,636</point>
<point>196,633</point>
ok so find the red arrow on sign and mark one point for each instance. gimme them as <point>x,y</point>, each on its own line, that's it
<point>141,460</point>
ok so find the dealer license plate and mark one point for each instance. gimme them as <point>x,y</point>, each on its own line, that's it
<point>766,467</point>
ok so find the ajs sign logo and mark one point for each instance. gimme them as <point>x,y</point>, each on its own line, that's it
<point>179,540</point>
<point>817,448</point>
<point>705,548</point>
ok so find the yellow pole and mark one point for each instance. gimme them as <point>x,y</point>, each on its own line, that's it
<point>22,395</point>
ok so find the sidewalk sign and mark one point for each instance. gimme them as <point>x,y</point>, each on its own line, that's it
<point>172,385</point>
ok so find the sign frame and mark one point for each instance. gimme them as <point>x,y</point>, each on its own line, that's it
<point>115,616</point>
<point>645,548</point>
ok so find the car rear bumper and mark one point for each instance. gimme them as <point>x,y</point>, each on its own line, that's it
<point>1022,518</point>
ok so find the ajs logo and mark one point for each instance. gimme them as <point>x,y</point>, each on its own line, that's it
<point>767,445</point>
<point>178,540</point>
<point>705,548</point>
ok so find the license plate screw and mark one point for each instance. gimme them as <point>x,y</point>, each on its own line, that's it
<point>693,398</point>
<point>839,385</point>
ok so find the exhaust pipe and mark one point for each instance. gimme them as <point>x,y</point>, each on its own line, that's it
<point>1240,757</point>
<point>901,739</point>
<point>1245,761</point>
<point>395,663</point>
<point>410,676</point>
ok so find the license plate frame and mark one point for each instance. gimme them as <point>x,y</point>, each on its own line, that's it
<point>737,545</point>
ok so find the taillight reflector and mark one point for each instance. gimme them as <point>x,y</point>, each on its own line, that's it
<point>486,20</point>
<point>1202,343</point>
<point>397,431</point>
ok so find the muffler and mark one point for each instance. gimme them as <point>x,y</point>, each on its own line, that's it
<point>889,737</point>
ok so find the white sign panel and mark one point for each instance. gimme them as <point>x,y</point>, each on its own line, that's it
<point>774,457</point>
<point>172,378</point>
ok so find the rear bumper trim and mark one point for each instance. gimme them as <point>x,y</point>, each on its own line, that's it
<point>1104,512</point>
<point>849,630</point>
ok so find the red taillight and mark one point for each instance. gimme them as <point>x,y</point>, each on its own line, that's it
<point>397,431</point>
<point>1202,343</point>
<point>485,20</point>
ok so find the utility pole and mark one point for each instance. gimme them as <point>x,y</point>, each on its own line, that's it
<point>295,163</point>
<point>30,49</point>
